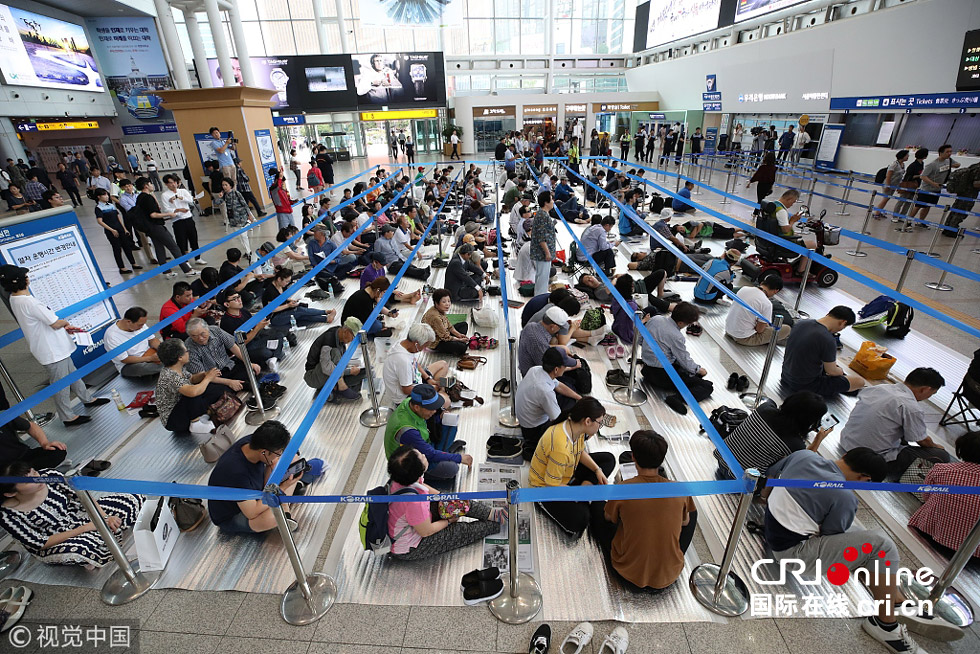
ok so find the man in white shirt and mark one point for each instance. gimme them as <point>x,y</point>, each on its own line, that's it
<point>402,371</point>
<point>139,359</point>
<point>516,213</point>
<point>537,398</point>
<point>743,326</point>
<point>178,201</point>
<point>49,340</point>
<point>799,144</point>
<point>454,139</point>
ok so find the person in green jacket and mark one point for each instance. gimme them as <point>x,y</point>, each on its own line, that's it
<point>409,424</point>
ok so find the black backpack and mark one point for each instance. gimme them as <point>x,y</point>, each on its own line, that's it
<point>880,176</point>
<point>373,525</point>
<point>899,320</point>
<point>726,419</point>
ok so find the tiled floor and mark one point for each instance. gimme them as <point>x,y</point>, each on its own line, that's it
<point>210,622</point>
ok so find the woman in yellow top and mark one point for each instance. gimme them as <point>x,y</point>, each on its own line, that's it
<point>560,459</point>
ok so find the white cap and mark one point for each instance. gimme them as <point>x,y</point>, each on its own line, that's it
<point>666,213</point>
<point>557,315</point>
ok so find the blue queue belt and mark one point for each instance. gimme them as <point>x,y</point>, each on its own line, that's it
<point>299,435</point>
<point>641,329</point>
<point>606,492</point>
<point>49,391</point>
<point>830,263</point>
<point>67,312</point>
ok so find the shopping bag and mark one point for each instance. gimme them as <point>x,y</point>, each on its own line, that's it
<point>871,362</point>
<point>156,534</point>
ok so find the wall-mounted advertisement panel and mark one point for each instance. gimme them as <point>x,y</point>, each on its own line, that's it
<point>678,19</point>
<point>399,80</point>
<point>746,9</point>
<point>45,52</point>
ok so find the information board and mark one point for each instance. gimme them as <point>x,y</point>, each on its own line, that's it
<point>968,75</point>
<point>829,145</point>
<point>267,154</point>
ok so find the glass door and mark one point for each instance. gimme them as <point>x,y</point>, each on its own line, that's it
<point>427,136</point>
<point>375,138</point>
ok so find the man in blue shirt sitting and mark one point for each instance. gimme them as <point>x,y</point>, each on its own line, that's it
<point>319,247</point>
<point>680,206</point>
<point>563,191</point>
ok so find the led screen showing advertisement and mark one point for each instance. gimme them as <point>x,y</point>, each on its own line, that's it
<point>399,80</point>
<point>678,19</point>
<point>45,52</point>
<point>301,83</point>
<point>746,9</point>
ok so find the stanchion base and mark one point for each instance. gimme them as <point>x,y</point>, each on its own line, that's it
<point>507,419</point>
<point>120,590</point>
<point>369,419</point>
<point>43,418</point>
<point>975,250</point>
<point>255,418</point>
<point>936,286</point>
<point>294,607</point>
<point>749,399</point>
<point>732,601</point>
<point>934,255</point>
<point>9,561</point>
<point>842,213</point>
<point>629,396</point>
<point>952,606</point>
<point>856,253</point>
<point>523,607</point>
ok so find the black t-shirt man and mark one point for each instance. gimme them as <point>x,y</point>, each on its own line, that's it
<point>146,206</point>
<point>233,470</point>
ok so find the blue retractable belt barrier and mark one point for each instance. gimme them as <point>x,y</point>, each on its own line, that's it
<point>630,491</point>
<point>389,499</point>
<point>874,486</point>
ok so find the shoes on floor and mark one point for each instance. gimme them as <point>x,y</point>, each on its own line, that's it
<point>742,383</point>
<point>931,626</point>
<point>695,329</point>
<point>99,401</point>
<point>476,576</point>
<point>732,381</point>
<point>483,591</point>
<point>676,402</point>
<point>616,642</point>
<point>540,641</point>
<point>617,379</point>
<point>13,602</point>
<point>895,640</point>
<point>80,420</point>
<point>578,639</point>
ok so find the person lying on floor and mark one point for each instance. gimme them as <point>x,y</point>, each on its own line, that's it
<point>889,418</point>
<point>560,459</point>
<point>414,534</point>
<point>51,523</point>
<point>410,424</point>
<point>402,371</point>
<point>644,541</point>
<point>324,355</point>
<point>666,331</point>
<point>181,397</point>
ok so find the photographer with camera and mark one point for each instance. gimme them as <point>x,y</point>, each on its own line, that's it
<point>223,152</point>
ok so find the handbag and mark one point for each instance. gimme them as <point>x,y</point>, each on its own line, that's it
<point>453,508</point>
<point>155,534</point>
<point>457,390</point>
<point>225,409</point>
<point>467,362</point>
<point>188,512</point>
<point>218,444</point>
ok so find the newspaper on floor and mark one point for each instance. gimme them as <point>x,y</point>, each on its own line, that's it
<point>494,476</point>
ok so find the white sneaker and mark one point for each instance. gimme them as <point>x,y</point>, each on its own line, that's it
<point>576,641</point>
<point>200,262</point>
<point>170,275</point>
<point>931,626</point>
<point>616,642</point>
<point>192,273</point>
<point>272,364</point>
<point>897,641</point>
<point>201,426</point>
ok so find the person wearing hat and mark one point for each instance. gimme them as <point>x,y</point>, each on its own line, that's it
<point>323,356</point>
<point>537,336</point>
<point>410,425</point>
<point>541,399</point>
<point>462,281</point>
<point>720,270</point>
<point>49,339</point>
<point>394,259</point>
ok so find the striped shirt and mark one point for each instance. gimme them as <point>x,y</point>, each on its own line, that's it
<point>555,457</point>
<point>756,445</point>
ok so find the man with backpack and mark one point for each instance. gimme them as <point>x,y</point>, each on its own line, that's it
<point>966,185</point>
<point>720,270</point>
<point>931,180</point>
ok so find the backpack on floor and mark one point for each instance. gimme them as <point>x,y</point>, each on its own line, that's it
<point>656,203</point>
<point>874,312</point>
<point>898,321</point>
<point>726,419</point>
<point>373,524</point>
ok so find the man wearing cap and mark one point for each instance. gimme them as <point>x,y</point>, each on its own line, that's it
<point>543,242</point>
<point>541,399</point>
<point>409,425</point>
<point>463,284</point>
<point>514,196</point>
<point>595,239</point>
<point>536,338</point>
<point>49,340</point>
<point>325,354</point>
<point>393,258</point>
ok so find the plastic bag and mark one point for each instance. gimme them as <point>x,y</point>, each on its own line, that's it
<point>871,362</point>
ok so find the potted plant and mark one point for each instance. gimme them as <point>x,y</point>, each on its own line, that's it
<point>447,132</point>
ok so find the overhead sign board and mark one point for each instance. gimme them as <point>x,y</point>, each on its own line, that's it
<point>541,109</point>
<point>923,101</point>
<point>399,114</point>
<point>605,107</point>
<point>498,111</point>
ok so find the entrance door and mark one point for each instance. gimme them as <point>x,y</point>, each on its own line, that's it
<point>375,138</point>
<point>427,136</point>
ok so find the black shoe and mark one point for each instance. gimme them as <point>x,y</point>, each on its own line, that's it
<point>742,383</point>
<point>540,641</point>
<point>732,381</point>
<point>337,288</point>
<point>457,446</point>
<point>99,401</point>
<point>626,457</point>
<point>262,214</point>
<point>476,576</point>
<point>291,339</point>
<point>676,402</point>
<point>80,420</point>
<point>483,591</point>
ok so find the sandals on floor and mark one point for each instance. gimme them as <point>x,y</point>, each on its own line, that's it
<point>94,467</point>
<point>14,601</point>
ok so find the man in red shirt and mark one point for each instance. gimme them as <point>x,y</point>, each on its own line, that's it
<point>182,296</point>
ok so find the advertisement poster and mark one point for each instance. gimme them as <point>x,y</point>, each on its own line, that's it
<point>411,13</point>
<point>678,19</point>
<point>45,52</point>
<point>496,552</point>
<point>267,154</point>
<point>270,73</point>
<point>399,79</point>
<point>710,140</point>
<point>301,83</point>
<point>746,9</point>
<point>134,67</point>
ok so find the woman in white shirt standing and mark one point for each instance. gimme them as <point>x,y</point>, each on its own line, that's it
<point>48,337</point>
<point>152,172</point>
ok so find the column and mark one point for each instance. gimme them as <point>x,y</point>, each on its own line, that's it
<point>171,42</point>
<point>10,145</point>
<point>342,25</point>
<point>321,31</point>
<point>241,43</point>
<point>220,43</point>
<point>197,47</point>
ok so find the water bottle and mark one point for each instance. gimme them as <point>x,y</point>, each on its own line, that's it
<point>292,322</point>
<point>117,398</point>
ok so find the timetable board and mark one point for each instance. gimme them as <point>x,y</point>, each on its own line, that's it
<point>63,272</point>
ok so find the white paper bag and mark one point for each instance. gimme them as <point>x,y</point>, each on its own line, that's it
<point>153,548</point>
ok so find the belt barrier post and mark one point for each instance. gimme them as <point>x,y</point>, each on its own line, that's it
<point>700,169</point>
<point>941,285</point>
<point>809,197</point>
<point>909,258</point>
<point>935,239</point>
<point>754,399</point>
<point>631,395</point>
<point>740,161</point>
<point>677,186</point>
<point>728,181</point>
<point>259,410</point>
<point>128,582</point>
<point>799,296</point>
<point>42,419</point>
<point>947,603</point>
<point>711,167</point>
<point>508,417</point>
<point>847,193</point>
<point>309,597</point>
<point>377,415</point>
<point>856,252</point>
<point>715,587</point>
<point>523,600</point>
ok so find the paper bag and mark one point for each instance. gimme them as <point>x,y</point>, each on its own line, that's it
<point>154,546</point>
<point>871,362</point>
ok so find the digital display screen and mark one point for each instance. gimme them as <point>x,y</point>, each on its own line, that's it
<point>746,9</point>
<point>307,83</point>
<point>968,77</point>
<point>45,52</point>
<point>324,79</point>
<point>678,19</point>
<point>399,80</point>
